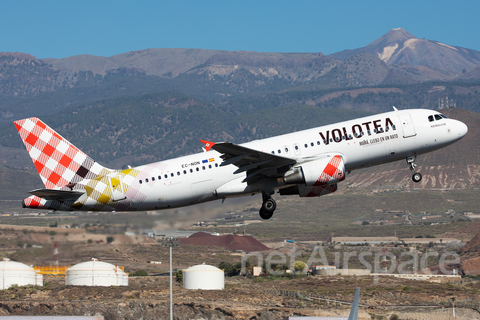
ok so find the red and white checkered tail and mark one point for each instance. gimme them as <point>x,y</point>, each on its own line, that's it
<point>58,162</point>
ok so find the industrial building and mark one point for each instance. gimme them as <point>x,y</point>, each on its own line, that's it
<point>203,277</point>
<point>16,273</point>
<point>95,273</point>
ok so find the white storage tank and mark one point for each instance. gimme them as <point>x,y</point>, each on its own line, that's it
<point>203,277</point>
<point>95,273</point>
<point>12,273</point>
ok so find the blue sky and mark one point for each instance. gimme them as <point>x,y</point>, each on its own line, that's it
<point>58,29</point>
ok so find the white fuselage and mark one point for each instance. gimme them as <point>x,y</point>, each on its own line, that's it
<point>386,137</point>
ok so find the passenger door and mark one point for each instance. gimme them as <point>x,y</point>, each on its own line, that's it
<point>407,125</point>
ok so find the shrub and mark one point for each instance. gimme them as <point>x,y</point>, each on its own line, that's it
<point>299,266</point>
<point>394,317</point>
<point>52,233</point>
<point>179,277</point>
<point>110,239</point>
<point>229,269</point>
<point>139,273</point>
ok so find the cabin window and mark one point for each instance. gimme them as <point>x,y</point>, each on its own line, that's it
<point>153,178</point>
<point>216,165</point>
<point>178,173</point>
<point>184,171</point>
<point>343,137</point>
<point>331,140</point>
<point>387,128</point>
<point>191,170</point>
<point>140,181</point>
<point>318,143</point>
<point>209,166</point>
<point>273,152</point>
<point>369,133</point>
<point>355,134</point>
<point>166,176</point>
<point>198,169</point>
<point>312,144</point>
<point>279,151</point>
<point>203,167</point>
<point>306,145</point>
<point>146,180</point>
<point>375,130</point>
<point>286,150</point>
<point>350,136</point>
<point>362,133</point>
<point>159,177</point>
<point>296,147</point>
<point>324,141</point>
<point>172,175</point>
<point>394,127</point>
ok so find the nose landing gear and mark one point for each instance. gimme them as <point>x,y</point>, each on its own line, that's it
<point>268,207</point>
<point>416,177</point>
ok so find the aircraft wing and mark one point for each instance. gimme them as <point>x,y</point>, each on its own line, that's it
<point>255,163</point>
<point>59,195</point>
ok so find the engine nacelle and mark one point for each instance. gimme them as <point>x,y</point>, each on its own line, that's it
<point>309,191</point>
<point>323,172</point>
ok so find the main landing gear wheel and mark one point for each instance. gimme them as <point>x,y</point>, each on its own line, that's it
<point>268,207</point>
<point>264,215</point>
<point>416,177</point>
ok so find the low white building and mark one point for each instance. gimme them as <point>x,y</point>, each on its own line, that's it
<point>95,273</point>
<point>203,277</point>
<point>16,273</point>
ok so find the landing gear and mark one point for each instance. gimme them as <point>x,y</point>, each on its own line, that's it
<point>268,207</point>
<point>265,215</point>
<point>416,177</point>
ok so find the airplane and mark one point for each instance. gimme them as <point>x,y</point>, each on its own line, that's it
<point>308,163</point>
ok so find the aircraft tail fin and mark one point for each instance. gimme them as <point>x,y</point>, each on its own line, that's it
<point>354,311</point>
<point>58,162</point>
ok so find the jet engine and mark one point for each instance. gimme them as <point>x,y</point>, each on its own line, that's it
<point>322,172</point>
<point>309,191</point>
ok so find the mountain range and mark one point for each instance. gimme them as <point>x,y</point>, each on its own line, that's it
<point>396,57</point>
<point>155,104</point>
<point>396,49</point>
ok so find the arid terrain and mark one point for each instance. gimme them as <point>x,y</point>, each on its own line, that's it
<point>244,298</point>
<point>265,297</point>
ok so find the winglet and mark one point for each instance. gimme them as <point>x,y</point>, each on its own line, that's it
<point>208,144</point>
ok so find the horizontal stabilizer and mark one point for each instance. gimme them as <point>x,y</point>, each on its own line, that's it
<point>59,195</point>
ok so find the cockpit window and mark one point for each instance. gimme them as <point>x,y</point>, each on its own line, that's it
<point>430,118</point>
<point>438,117</point>
<point>444,117</point>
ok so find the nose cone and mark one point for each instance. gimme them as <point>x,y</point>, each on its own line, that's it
<point>462,129</point>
